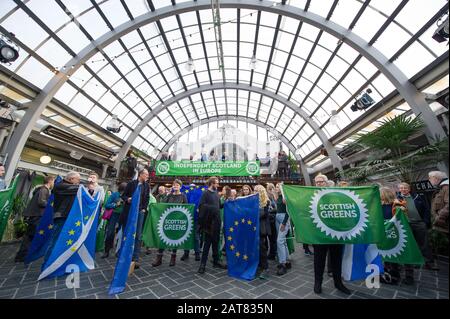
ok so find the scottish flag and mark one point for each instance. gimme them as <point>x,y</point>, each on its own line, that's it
<point>127,247</point>
<point>241,226</point>
<point>356,258</point>
<point>193,194</point>
<point>76,242</point>
<point>41,239</point>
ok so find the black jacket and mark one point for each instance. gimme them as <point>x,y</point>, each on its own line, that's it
<point>209,212</point>
<point>129,191</point>
<point>421,206</point>
<point>65,194</point>
<point>38,202</point>
<point>264,224</point>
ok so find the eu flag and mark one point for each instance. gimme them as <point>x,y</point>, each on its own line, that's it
<point>76,242</point>
<point>41,239</point>
<point>127,246</point>
<point>193,194</point>
<point>241,223</point>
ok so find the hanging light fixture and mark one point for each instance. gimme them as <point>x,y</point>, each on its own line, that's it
<point>45,159</point>
<point>334,119</point>
<point>190,67</point>
<point>253,63</point>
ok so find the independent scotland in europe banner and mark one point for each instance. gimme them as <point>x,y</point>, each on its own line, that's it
<point>170,226</point>
<point>349,215</point>
<point>191,168</point>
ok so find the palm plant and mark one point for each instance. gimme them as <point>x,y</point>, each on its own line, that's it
<point>393,154</point>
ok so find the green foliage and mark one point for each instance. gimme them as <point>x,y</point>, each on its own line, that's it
<point>18,206</point>
<point>293,164</point>
<point>391,154</point>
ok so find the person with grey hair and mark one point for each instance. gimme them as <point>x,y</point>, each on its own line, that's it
<point>65,194</point>
<point>331,183</point>
<point>439,203</point>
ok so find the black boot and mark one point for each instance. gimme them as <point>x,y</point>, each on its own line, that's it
<point>105,254</point>
<point>185,256</point>
<point>317,287</point>
<point>281,270</point>
<point>197,257</point>
<point>340,286</point>
<point>201,269</point>
<point>219,265</point>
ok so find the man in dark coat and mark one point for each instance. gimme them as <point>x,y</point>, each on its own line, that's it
<point>65,193</point>
<point>33,213</point>
<point>209,222</point>
<point>143,203</point>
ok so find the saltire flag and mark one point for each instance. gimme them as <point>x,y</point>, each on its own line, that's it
<point>333,215</point>
<point>76,242</point>
<point>43,234</point>
<point>241,224</point>
<point>126,246</point>
<point>6,203</point>
<point>399,245</point>
<point>170,226</point>
<point>356,258</point>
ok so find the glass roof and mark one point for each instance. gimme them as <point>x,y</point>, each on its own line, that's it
<point>142,69</point>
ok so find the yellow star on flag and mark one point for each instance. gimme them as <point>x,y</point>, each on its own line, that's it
<point>78,223</point>
<point>203,189</point>
<point>134,235</point>
<point>124,238</point>
<point>230,238</point>
<point>231,229</point>
<point>192,188</point>
<point>245,257</point>
<point>196,186</point>
<point>86,218</point>
<point>232,247</point>
<point>71,232</point>
<point>69,242</point>
<point>238,254</point>
<point>249,222</point>
<point>50,226</point>
<point>243,220</point>
<point>41,232</point>
<point>236,223</point>
<point>186,191</point>
<point>73,249</point>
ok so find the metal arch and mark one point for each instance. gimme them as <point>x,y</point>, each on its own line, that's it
<point>409,92</point>
<point>232,86</point>
<point>283,139</point>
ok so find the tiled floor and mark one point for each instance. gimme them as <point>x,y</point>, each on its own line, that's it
<point>182,281</point>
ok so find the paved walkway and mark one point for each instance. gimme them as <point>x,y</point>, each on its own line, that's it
<point>182,281</point>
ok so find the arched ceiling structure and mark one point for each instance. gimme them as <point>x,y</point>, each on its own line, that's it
<point>128,58</point>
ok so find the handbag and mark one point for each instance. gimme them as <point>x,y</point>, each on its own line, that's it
<point>107,214</point>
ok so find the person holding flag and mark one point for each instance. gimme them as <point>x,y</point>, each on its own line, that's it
<point>65,194</point>
<point>209,222</point>
<point>264,229</point>
<point>282,227</point>
<point>320,255</point>
<point>176,197</point>
<point>127,197</point>
<point>33,213</point>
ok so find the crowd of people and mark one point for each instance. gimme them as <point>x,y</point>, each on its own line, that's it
<point>275,224</point>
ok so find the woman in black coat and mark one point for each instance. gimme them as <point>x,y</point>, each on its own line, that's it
<point>264,229</point>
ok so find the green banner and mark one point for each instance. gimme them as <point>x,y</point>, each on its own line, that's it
<point>169,226</point>
<point>349,215</point>
<point>190,168</point>
<point>399,245</point>
<point>6,203</point>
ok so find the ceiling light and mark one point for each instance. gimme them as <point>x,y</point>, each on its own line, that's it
<point>8,53</point>
<point>253,63</point>
<point>190,67</point>
<point>45,159</point>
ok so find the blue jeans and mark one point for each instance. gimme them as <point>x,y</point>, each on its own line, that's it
<point>138,240</point>
<point>58,224</point>
<point>282,249</point>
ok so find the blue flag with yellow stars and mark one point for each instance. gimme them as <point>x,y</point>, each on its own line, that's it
<point>241,224</point>
<point>127,246</point>
<point>76,242</point>
<point>193,194</point>
<point>41,239</point>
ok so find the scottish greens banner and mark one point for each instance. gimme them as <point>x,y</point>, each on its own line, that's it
<point>169,226</point>
<point>399,245</point>
<point>190,168</point>
<point>6,203</point>
<point>335,215</point>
